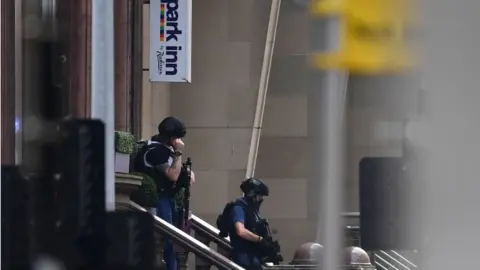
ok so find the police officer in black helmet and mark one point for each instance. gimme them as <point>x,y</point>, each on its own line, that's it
<point>244,218</point>
<point>162,160</point>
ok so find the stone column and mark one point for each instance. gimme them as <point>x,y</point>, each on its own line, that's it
<point>181,251</point>
<point>8,82</point>
<point>201,264</point>
<point>182,258</point>
<point>123,67</point>
<point>78,15</point>
<point>137,68</point>
<point>159,251</point>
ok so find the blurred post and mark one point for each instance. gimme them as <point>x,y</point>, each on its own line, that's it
<point>103,82</point>
<point>359,37</point>
<point>1,90</point>
<point>329,87</point>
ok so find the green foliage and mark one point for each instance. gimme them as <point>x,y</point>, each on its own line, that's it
<point>146,195</point>
<point>124,142</point>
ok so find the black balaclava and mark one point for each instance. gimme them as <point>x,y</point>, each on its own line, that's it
<point>253,201</point>
<point>161,139</point>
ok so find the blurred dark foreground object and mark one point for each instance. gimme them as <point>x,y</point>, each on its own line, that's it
<point>80,182</point>
<point>59,212</point>
<point>132,241</point>
<point>389,201</point>
<point>96,238</point>
<point>15,241</point>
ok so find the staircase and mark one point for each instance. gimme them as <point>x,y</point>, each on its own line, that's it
<point>394,260</point>
<point>385,259</point>
<point>206,257</point>
<point>205,234</point>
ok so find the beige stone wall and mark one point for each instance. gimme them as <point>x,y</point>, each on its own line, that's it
<point>378,108</point>
<point>218,108</point>
<point>284,153</point>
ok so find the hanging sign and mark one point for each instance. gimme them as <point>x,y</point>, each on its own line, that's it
<point>375,36</point>
<point>170,40</point>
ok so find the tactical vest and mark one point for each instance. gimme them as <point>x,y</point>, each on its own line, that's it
<point>164,185</point>
<point>251,222</point>
<point>251,218</point>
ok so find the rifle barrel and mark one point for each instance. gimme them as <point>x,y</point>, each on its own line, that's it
<point>188,164</point>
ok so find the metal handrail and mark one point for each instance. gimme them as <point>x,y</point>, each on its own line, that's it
<point>351,214</point>
<point>398,255</point>
<point>395,260</point>
<point>406,260</point>
<point>386,262</point>
<point>197,247</point>
<point>199,225</point>
<point>381,265</point>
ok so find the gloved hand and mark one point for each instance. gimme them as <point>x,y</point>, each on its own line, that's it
<point>265,243</point>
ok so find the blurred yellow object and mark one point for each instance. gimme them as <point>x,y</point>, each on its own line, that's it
<point>363,65</point>
<point>375,35</point>
<point>327,7</point>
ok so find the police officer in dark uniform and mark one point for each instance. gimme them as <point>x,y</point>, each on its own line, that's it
<point>244,218</point>
<point>162,160</point>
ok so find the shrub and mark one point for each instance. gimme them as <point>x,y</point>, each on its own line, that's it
<point>146,195</point>
<point>124,142</point>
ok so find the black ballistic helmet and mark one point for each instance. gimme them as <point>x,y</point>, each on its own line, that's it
<point>253,186</point>
<point>172,127</point>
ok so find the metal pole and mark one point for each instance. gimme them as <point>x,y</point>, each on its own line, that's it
<point>263,87</point>
<point>328,88</point>
<point>1,67</point>
<point>103,81</point>
<point>332,158</point>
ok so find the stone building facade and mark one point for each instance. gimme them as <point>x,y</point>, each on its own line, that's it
<point>219,105</point>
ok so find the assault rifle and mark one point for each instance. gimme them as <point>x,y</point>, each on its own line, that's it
<point>186,205</point>
<point>270,253</point>
<point>184,183</point>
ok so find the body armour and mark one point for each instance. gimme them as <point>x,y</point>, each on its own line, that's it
<point>251,223</point>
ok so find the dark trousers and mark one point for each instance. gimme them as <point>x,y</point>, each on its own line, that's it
<point>246,260</point>
<point>166,210</point>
